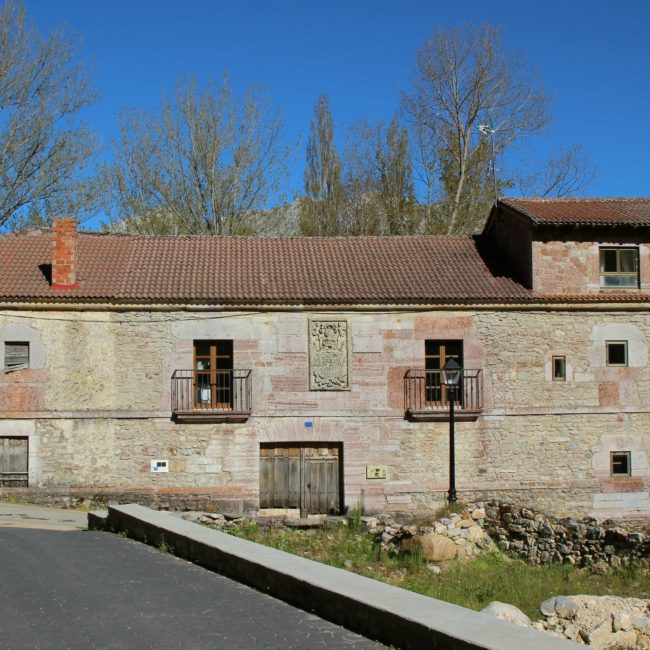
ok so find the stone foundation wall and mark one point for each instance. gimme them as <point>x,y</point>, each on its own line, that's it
<point>542,539</point>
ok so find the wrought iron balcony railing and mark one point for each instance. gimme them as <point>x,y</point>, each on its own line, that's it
<point>427,396</point>
<point>204,394</point>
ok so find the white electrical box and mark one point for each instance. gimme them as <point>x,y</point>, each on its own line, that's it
<point>159,466</point>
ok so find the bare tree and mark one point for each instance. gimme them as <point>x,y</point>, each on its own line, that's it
<point>566,173</point>
<point>205,165</point>
<point>321,208</point>
<point>43,145</point>
<point>465,78</point>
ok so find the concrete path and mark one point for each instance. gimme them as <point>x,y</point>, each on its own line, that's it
<point>81,590</point>
<point>21,515</point>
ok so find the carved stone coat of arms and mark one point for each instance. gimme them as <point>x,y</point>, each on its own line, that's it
<point>328,355</point>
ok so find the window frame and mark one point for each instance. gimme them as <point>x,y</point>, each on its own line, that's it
<point>628,462</point>
<point>436,353</point>
<point>23,364</point>
<point>213,374</point>
<point>618,273</point>
<point>554,358</point>
<point>626,363</point>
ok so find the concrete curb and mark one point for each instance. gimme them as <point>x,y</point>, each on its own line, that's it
<point>97,519</point>
<point>388,614</point>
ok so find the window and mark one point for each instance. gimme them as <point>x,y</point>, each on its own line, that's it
<point>619,268</point>
<point>436,354</point>
<point>213,374</point>
<point>616,353</point>
<point>16,356</point>
<point>620,463</point>
<point>559,368</point>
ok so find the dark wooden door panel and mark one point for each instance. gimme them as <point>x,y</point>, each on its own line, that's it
<point>321,485</point>
<point>13,462</point>
<point>279,477</point>
<point>305,477</point>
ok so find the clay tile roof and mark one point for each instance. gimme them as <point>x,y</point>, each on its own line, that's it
<point>583,212</point>
<point>252,271</point>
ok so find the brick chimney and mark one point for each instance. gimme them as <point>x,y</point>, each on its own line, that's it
<point>64,253</point>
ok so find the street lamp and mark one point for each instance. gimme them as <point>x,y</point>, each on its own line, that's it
<point>451,373</point>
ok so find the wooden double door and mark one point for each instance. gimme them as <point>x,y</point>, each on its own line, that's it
<point>13,462</point>
<point>301,476</point>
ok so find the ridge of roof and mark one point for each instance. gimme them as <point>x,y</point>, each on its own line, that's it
<point>45,232</point>
<point>608,211</point>
<point>577,199</point>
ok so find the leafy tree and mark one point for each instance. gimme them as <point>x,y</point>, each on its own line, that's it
<point>44,148</point>
<point>205,164</point>
<point>379,175</point>
<point>321,208</point>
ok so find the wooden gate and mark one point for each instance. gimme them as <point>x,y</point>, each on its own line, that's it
<point>13,462</point>
<point>301,476</point>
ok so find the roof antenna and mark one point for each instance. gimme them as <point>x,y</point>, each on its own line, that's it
<point>488,129</point>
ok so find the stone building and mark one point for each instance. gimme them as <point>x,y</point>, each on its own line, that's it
<point>306,373</point>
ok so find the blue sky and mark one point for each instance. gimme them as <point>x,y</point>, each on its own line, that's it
<point>593,57</point>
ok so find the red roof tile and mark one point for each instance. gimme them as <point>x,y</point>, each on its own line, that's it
<point>251,271</point>
<point>584,212</point>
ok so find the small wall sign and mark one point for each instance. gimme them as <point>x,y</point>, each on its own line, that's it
<point>159,466</point>
<point>375,471</point>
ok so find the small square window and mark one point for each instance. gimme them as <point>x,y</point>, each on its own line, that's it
<point>559,368</point>
<point>620,463</point>
<point>616,353</point>
<point>16,356</point>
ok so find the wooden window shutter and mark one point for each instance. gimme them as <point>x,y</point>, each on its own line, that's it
<point>16,356</point>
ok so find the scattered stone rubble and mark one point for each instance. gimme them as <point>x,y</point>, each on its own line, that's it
<point>597,621</point>
<point>220,521</point>
<point>522,532</point>
<point>459,535</point>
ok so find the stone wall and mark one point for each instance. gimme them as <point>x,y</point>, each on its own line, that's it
<point>572,267</point>
<point>542,539</point>
<point>98,410</point>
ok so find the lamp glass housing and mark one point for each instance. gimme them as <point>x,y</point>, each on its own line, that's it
<point>451,372</point>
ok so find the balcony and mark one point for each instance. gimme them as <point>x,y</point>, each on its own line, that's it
<point>427,398</point>
<point>211,395</point>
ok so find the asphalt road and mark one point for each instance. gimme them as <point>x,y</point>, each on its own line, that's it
<point>69,590</point>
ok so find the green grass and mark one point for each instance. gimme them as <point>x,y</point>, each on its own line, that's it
<point>474,584</point>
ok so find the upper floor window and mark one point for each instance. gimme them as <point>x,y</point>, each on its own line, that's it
<point>616,353</point>
<point>436,355</point>
<point>620,463</point>
<point>619,267</point>
<point>559,368</point>
<point>16,356</point>
<point>213,374</point>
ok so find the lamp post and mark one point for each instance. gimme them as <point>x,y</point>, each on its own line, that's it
<point>451,374</point>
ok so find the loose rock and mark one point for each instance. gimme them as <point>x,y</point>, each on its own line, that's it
<point>507,612</point>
